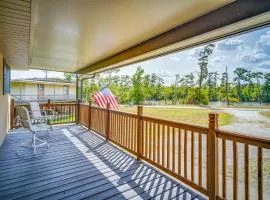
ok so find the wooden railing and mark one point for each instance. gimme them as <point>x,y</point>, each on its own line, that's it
<point>193,154</point>
<point>175,148</point>
<point>63,112</point>
<point>232,148</point>
<point>123,130</point>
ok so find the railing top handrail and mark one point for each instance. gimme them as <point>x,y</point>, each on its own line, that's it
<point>184,125</point>
<point>124,113</point>
<point>243,138</point>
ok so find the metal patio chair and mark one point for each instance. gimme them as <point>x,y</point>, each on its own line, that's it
<point>41,116</point>
<point>33,128</point>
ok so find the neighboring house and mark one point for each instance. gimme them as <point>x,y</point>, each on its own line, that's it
<point>42,89</point>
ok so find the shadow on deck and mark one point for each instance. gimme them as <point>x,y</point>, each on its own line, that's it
<point>80,165</point>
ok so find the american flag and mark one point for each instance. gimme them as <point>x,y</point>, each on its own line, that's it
<point>105,96</point>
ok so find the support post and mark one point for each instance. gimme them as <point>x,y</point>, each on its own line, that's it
<point>139,131</point>
<point>81,95</point>
<point>89,114</point>
<point>212,157</point>
<point>77,101</point>
<point>49,104</point>
<point>107,133</point>
<point>12,107</point>
<point>78,111</point>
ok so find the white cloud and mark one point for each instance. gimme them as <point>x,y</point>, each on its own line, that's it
<point>193,54</point>
<point>265,65</point>
<point>263,44</point>
<point>164,74</point>
<point>230,44</point>
<point>219,59</point>
<point>254,57</point>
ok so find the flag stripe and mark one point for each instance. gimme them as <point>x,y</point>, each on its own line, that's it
<point>106,96</point>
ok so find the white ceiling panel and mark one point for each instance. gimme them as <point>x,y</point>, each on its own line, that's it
<point>68,35</point>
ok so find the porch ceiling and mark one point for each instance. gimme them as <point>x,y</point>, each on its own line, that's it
<point>86,36</point>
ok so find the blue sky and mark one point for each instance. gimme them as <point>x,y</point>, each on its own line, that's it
<point>250,50</point>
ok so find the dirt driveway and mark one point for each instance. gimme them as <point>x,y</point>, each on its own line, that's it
<point>249,121</point>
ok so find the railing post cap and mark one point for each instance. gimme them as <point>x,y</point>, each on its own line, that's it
<point>213,115</point>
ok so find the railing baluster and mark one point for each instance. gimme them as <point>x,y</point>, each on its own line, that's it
<point>246,155</point>
<point>143,137</point>
<point>74,113</point>
<point>185,154</point>
<point>133,130</point>
<point>134,133</point>
<point>128,132</point>
<point>168,147</point>
<point>163,145</point>
<point>146,139</point>
<point>122,128</point>
<point>200,158</point>
<point>217,166</point>
<point>179,151</point>
<point>150,141</point>
<point>173,149</point>
<point>192,156</point>
<point>224,182</point>
<point>119,129</point>
<point>235,171</point>
<point>158,144</point>
<point>115,127</point>
<point>69,113</point>
<point>260,174</point>
<point>154,142</point>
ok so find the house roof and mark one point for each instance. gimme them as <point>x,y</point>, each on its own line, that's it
<point>55,81</point>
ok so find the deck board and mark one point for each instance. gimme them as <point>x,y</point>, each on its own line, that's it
<point>80,165</point>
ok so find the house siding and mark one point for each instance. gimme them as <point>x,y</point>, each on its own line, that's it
<point>4,106</point>
<point>29,91</point>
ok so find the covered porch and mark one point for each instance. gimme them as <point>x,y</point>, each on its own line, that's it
<point>81,165</point>
<point>110,154</point>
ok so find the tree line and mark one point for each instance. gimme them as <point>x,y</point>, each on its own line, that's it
<point>201,88</point>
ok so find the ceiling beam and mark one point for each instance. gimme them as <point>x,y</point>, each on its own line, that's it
<point>224,16</point>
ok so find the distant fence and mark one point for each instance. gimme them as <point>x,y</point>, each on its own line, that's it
<point>193,154</point>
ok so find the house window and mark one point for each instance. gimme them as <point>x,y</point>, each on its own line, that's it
<point>6,78</point>
<point>66,90</point>
<point>40,89</point>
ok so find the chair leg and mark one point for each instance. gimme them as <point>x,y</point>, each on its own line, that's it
<point>34,144</point>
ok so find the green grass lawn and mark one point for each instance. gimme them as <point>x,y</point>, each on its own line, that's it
<point>265,113</point>
<point>67,119</point>
<point>194,116</point>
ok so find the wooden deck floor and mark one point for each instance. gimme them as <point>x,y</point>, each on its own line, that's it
<point>80,165</point>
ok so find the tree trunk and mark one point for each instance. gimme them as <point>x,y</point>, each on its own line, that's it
<point>239,91</point>
<point>259,92</point>
<point>227,87</point>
